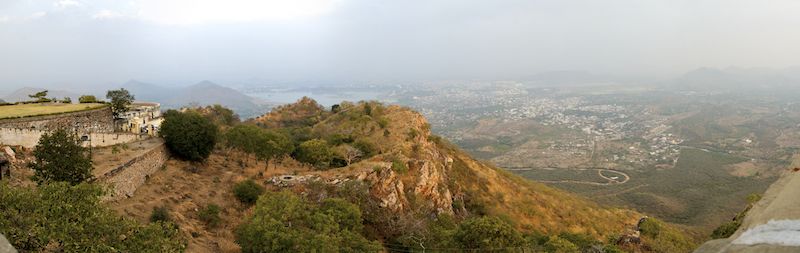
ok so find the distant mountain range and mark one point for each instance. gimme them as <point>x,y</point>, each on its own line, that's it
<point>22,94</point>
<point>201,94</point>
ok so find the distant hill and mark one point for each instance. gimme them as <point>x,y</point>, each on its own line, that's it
<point>149,92</point>
<point>200,94</point>
<point>22,94</point>
<point>735,79</point>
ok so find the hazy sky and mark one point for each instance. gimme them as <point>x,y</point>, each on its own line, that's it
<point>71,42</point>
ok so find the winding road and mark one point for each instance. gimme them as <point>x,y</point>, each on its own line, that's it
<point>612,179</point>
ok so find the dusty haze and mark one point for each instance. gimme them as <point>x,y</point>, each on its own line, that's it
<point>68,43</point>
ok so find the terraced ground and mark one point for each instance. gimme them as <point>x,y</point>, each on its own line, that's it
<point>40,109</point>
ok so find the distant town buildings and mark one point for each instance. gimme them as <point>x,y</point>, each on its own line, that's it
<point>142,118</point>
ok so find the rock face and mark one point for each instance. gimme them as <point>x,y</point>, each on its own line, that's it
<point>5,246</point>
<point>387,187</point>
<point>772,225</point>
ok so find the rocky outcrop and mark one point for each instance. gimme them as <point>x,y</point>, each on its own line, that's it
<point>771,225</point>
<point>5,246</point>
<point>386,186</point>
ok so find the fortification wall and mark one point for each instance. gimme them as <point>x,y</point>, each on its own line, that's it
<point>19,137</point>
<point>96,121</point>
<point>110,139</point>
<point>125,179</point>
<point>29,138</point>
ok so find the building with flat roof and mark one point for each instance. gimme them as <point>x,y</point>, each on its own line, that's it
<point>142,118</point>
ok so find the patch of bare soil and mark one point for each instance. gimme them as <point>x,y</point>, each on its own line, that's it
<point>185,188</point>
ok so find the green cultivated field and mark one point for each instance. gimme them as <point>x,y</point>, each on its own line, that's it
<point>28,110</point>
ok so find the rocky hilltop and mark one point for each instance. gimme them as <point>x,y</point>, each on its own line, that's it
<point>416,173</point>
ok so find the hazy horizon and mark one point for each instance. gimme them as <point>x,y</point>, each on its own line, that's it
<point>95,43</point>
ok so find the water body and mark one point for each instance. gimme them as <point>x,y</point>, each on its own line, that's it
<point>324,98</point>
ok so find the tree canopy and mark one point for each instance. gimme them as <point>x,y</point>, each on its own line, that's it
<point>59,157</point>
<point>487,232</point>
<point>284,222</point>
<point>58,217</point>
<point>120,100</point>
<point>40,96</point>
<point>188,135</point>
<point>87,99</point>
<point>315,152</point>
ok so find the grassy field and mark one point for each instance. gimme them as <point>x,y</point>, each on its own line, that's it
<point>27,110</point>
<point>679,194</point>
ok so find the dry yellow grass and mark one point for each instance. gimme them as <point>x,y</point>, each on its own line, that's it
<point>27,110</point>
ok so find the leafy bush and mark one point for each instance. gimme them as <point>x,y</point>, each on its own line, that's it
<point>725,230</point>
<point>57,217</point>
<point>366,147</point>
<point>557,244</point>
<point>315,152</point>
<point>383,122</point>
<point>487,232</point>
<point>210,215</point>
<point>247,191</point>
<point>332,226</point>
<point>399,166</point>
<point>59,157</point>
<point>188,135</point>
<point>87,99</point>
<point>160,214</point>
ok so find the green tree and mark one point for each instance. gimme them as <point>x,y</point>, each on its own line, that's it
<point>315,152</point>
<point>59,157</point>
<point>87,99</point>
<point>57,217</point>
<point>284,222</point>
<point>247,191</point>
<point>487,232</point>
<point>272,144</point>
<point>210,215</point>
<point>243,138</point>
<point>188,135</point>
<point>40,96</point>
<point>120,100</point>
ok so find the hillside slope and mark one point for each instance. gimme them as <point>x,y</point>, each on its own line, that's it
<point>405,182</point>
<point>417,174</point>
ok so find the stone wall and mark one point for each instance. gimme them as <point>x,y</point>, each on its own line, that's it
<point>19,137</point>
<point>125,179</point>
<point>29,138</point>
<point>96,121</point>
<point>110,139</point>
